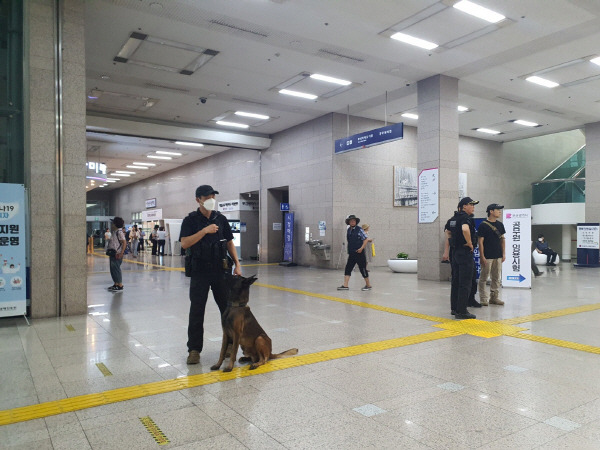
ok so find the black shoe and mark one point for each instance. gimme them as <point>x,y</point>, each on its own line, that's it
<point>343,288</point>
<point>116,289</point>
<point>550,264</point>
<point>474,304</point>
<point>112,287</point>
<point>466,315</point>
<point>452,312</point>
<point>538,274</point>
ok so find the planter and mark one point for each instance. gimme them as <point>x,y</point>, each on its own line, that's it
<point>403,265</point>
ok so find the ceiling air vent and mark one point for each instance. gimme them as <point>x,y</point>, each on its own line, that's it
<point>509,100</point>
<point>231,27</point>
<point>338,56</point>
<point>168,88</point>
<point>242,100</point>
<point>551,111</point>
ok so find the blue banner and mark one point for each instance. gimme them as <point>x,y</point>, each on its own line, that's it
<point>13,296</point>
<point>370,138</point>
<point>288,237</point>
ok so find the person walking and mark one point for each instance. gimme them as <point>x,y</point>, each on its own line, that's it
<point>492,254</point>
<point>369,248</point>
<point>357,241</point>
<point>154,239</point>
<point>162,238</point>
<point>107,235</point>
<point>206,234</point>
<point>542,247</point>
<point>142,239</point>
<point>134,237</point>
<point>115,251</point>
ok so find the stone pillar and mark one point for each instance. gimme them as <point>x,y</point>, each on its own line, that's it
<point>437,147</point>
<point>566,243</point>
<point>592,172</point>
<point>55,138</point>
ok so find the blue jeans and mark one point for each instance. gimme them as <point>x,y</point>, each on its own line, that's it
<point>115,270</point>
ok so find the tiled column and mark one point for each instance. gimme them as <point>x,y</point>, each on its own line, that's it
<point>592,172</point>
<point>55,138</point>
<point>437,147</point>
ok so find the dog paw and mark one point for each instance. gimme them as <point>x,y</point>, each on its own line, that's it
<point>227,369</point>
<point>215,367</point>
<point>253,366</point>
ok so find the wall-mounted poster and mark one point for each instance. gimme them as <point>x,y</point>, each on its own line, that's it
<point>405,186</point>
<point>462,185</point>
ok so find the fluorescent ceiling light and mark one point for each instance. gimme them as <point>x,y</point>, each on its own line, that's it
<point>408,39</point>
<point>479,11</point>
<point>158,157</point>
<point>462,108</point>
<point>124,171</point>
<point>525,123</point>
<point>232,124</point>
<point>110,181</point>
<point>113,179</point>
<point>137,167</point>
<point>191,144</point>
<point>298,94</point>
<point>317,76</point>
<point>595,60</point>
<point>410,116</point>
<point>542,81</point>
<point>254,116</point>
<point>161,152</point>
<point>144,164</point>
<point>487,130</point>
<point>120,174</point>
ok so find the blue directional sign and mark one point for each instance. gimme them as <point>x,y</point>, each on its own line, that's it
<point>370,138</point>
<point>519,278</point>
<point>284,207</point>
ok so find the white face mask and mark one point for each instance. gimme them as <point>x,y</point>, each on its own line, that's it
<point>541,239</point>
<point>210,204</point>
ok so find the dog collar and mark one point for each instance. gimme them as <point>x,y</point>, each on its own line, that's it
<point>235,305</point>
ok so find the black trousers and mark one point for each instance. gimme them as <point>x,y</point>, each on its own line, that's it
<point>463,279</point>
<point>357,258</point>
<point>200,283</point>
<point>154,246</point>
<point>161,247</point>
<point>550,255</point>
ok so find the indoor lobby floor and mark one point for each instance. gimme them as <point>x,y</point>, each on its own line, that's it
<point>385,369</point>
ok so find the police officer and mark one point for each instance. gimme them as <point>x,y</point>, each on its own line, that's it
<point>461,232</point>
<point>208,234</point>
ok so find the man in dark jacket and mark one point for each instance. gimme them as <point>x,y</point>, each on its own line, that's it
<point>357,241</point>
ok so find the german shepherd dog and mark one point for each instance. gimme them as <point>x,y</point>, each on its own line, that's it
<point>241,328</point>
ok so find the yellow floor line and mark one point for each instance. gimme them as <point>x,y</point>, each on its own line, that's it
<point>557,342</point>
<point>80,402</point>
<point>551,314</point>
<point>357,303</point>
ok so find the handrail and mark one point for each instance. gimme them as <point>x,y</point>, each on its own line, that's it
<point>562,182</point>
<point>557,179</point>
<point>556,168</point>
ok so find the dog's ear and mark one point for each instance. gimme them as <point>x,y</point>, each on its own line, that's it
<point>250,280</point>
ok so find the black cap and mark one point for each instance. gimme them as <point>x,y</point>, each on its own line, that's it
<point>118,221</point>
<point>494,206</point>
<point>350,217</point>
<point>205,190</point>
<point>466,201</point>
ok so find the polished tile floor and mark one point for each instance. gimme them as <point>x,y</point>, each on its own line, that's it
<point>382,369</point>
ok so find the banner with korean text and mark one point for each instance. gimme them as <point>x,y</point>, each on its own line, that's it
<point>516,269</point>
<point>13,293</point>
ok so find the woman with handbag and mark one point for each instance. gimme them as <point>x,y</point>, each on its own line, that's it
<point>116,248</point>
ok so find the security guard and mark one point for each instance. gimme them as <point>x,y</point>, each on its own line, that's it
<point>461,231</point>
<point>207,233</point>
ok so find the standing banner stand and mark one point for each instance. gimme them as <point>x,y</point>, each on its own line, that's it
<point>588,245</point>
<point>476,253</point>
<point>13,295</point>
<point>516,269</point>
<point>288,240</point>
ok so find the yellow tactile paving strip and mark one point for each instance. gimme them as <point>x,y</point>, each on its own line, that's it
<point>557,342</point>
<point>46,409</point>
<point>551,314</point>
<point>480,328</point>
<point>154,431</point>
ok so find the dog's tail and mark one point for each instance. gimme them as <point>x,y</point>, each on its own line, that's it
<point>290,352</point>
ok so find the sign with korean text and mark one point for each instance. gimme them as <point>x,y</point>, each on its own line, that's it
<point>153,214</point>
<point>370,138</point>
<point>151,203</point>
<point>588,236</point>
<point>284,207</point>
<point>428,195</point>
<point>288,237</point>
<point>237,205</point>
<point>516,269</point>
<point>13,295</point>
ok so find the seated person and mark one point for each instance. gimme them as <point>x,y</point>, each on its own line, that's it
<point>542,247</point>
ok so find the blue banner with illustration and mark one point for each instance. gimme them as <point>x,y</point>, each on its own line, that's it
<point>13,296</point>
<point>370,138</point>
<point>288,237</point>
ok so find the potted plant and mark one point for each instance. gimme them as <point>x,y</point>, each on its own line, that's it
<point>402,264</point>
<point>402,255</point>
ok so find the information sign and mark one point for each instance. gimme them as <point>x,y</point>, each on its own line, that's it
<point>516,269</point>
<point>428,195</point>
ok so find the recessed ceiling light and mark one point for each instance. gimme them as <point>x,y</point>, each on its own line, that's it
<point>253,115</point>
<point>410,116</point>
<point>487,130</point>
<point>595,60</point>
<point>191,144</point>
<point>542,81</point>
<point>110,181</point>
<point>158,157</point>
<point>124,171</point>
<point>298,94</point>
<point>317,76</point>
<point>479,11</point>
<point>408,39</point>
<point>105,77</point>
<point>462,108</point>
<point>525,123</point>
<point>231,124</point>
<point>144,164</point>
<point>137,167</point>
<point>113,179</point>
<point>161,152</point>
<point>120,175</point>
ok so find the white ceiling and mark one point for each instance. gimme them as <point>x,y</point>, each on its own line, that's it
<point>263,43</point>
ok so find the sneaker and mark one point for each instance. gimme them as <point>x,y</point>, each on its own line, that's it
<point>474,304</point>
<point>366,288</point>
<point>193,357</point>
<point>466,315</point>
<point>483,303</point>
<point>343,288</point>
<point>115,288</point>
<point>496,301</point>
<point>112,288</point>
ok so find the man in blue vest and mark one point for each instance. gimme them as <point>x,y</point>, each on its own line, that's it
<point>357,241</point>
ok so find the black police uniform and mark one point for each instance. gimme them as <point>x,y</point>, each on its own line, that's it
<point>463,266</point>
<point>208,270</point>
<point>354,243</point>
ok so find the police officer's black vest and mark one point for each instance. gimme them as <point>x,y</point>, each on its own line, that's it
<point>354,240</point>
<point>455,227</point>
<point>209,249</point>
